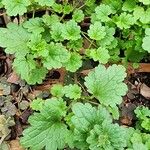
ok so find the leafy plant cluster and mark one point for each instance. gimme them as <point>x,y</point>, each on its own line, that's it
<point>141,138</point>
<point>74,119</point>
<point>53,41</point>
<point>79,116</point>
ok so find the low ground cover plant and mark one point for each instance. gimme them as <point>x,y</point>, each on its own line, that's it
<point>70,34</point>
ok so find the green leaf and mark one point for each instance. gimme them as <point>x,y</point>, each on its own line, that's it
<point>124,21</point>
<point>139,140</point>
<point>129,5</point>
<point>146,124</point>
<point>75,45</point>
<point>57,8</point>
<point>146,40</point>
<point>56,32</point>
<point>37,75</point>
<point>109,37</point>
<point>47,130</point>
<point>107,84</point>
<point>139,146</point>
<point>37,104</point>
<point>102,12</point>
<point>56,57</point>
<point>78,15</point>
<point>107,137</point>
<point>96,31</point>
<point>71,31</point>
<point>57,90</point>
<point>115,5</point>
<point>1,5</point>
<point>84,118</point>
<point>24,66</point>
<point>50,20</point>
<point>72,91</point>
<point>145,16</point>
<point>138,12</point>
<point>100,54</point>
<point>15,7</point>
<point>38,46</point>
<point>14,38</point>
<point>89,2</point>
<point>67,9</point>
<point>45,2</point>
<point>114,111</point>
<point>74,63</point>
<point>143,114</point>
<point>145,2</point>
<point>141,14</point>
<point>34,25</point>
<point>147,31</point>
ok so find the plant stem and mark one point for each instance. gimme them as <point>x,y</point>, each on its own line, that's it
<point>62,17</point>
<point>33,14</point>
<point>91,42</point>
<point>92,102</point>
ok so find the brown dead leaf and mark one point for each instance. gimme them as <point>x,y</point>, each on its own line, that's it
<point>126,120</point>
<point>1,92</point>
<point>14,78</point>
<point>15,145</point>
<point>145,90</point>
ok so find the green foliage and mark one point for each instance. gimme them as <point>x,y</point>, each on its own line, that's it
<point>15,7</point>
<point>145,2</point>
<point>56,31</point>
<point>57,55</point>
<point>67,9</point>
<point>90,127</point>
<point>139,140</point>
<point>96,31</point>
<point>27,69</point>
<point>74,63</point>
<point>146,40</point>
<point>63,38</point>
<point>57,8</point>
<point>100,54</point>
<point>94,130</point>
<point>129,5</point>
<point>47,125</point>
<point>45,2</point>
<point>124,21</point>
<point>54,41</point>
<point>14,39</point>
<point>78,15</point>
<point>50,20</point>
<point>34,25</point>
<point>102,12</point>
<point>37,104</point>
<point>57,90</point>
<point>106,137</point>
<point>72,91</point>
<point>71,31</point>
<point>101,82</point>
<point>1,5</point>
<point>143,115</point>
